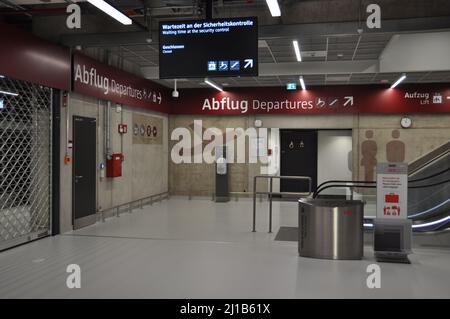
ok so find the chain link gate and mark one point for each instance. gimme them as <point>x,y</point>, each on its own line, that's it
<point>25,162</point>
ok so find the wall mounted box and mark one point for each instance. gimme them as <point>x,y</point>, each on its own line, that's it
<point>114,165</point>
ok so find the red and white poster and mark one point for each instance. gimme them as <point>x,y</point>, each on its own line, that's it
<point>392,190</point>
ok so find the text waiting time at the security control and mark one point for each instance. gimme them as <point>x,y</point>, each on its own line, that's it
<point>230,65</point>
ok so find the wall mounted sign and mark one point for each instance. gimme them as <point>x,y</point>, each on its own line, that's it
<point>122,128</point>
<point>102,81</point>
<point>147,129</point>
<point>392,190</point>
<point>215,48</point>
<point>316,100</point>
<point>26,57</point>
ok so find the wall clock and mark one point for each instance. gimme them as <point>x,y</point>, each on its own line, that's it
<point>406,122</point>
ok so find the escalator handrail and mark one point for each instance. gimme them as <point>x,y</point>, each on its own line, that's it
<point>435,224</point>
<point>317,192</point>
<point>431,185</point>
<point>318,189</point>
<point>428,158</point>
<point>428,211</point>
<point>430,176</point>
<point>341,185</point>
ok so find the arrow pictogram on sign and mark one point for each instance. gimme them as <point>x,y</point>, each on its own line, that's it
<point>348,99</point>
<point>248,63</point>
<point>159,98</point>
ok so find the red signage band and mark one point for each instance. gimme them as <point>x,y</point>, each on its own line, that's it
<point>29,58</point>
<point>415,98</point>
<point>99,80</point>
<point>32,59</point>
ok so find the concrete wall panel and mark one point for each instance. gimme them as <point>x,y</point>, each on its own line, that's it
<point>145,167</point>
<point>428,132</point>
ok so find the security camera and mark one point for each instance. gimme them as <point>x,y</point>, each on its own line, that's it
<point>175,93</point>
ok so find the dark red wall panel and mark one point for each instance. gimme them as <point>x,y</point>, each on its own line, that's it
<point>26,57</point>
<point>96,79</point>
<point>423,98</point>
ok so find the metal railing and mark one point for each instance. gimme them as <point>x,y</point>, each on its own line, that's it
<point>130,205</point>
<point>425,160</point>
<point>270,193</point>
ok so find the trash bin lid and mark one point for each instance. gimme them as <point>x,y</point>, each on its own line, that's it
<point>321,202</point>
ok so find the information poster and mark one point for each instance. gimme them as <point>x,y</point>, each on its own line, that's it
<point>147,129</point>
<point>392,190</point>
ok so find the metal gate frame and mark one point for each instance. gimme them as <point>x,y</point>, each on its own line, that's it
<point>26,210</point>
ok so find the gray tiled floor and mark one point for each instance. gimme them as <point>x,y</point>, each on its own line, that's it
<point>200,249</point>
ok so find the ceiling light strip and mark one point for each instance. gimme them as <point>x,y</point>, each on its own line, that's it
<point>297,50</point>
<point>213,84</point>
<point>274,8</point>
<point>398,81</point>
<point>111,11</point>
<point>302,83</point>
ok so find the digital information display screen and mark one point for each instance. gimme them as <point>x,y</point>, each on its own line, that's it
<point>213,48</point>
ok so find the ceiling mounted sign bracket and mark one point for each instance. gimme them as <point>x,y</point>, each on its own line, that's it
<point>209,9</point>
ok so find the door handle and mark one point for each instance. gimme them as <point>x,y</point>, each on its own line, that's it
<point>78,176</point>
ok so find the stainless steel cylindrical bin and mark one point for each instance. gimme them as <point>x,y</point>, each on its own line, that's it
<point>330,229</point>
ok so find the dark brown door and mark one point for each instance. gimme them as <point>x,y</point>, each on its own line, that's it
<point>298,158</point>
<point>84,171</point>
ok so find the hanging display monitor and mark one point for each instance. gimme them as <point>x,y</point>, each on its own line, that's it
<point>212,48</point>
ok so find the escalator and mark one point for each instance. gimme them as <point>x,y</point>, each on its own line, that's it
<point>428,191</point>
<point>429,207</point>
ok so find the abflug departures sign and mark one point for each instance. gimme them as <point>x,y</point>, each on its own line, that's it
<point>213,48</point>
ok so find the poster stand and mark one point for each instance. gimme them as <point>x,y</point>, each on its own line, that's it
<point>392,234</point>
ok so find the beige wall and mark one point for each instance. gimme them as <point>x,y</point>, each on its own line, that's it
<point>144,170</point>
<point>428,131</point>
<point>199,179</point>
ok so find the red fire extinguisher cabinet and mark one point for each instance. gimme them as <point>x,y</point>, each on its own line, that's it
<point>114,165</point>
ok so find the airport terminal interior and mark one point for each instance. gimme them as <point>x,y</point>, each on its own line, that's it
<point>245,149</point>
